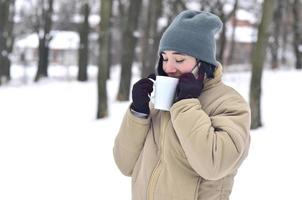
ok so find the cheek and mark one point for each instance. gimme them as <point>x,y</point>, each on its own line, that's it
<point>187,68</point>
<point>186,71</point>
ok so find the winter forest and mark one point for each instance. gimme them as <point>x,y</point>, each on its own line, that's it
<point>66,72</point>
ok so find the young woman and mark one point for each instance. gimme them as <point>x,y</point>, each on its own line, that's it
<point>193,151</point>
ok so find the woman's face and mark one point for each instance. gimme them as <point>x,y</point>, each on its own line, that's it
<point>176,64</point>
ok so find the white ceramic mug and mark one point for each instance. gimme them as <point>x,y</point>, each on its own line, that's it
<point>164,93</point>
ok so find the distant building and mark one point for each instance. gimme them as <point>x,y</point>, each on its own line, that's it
<point>245,35</point>
<point>63,48</point>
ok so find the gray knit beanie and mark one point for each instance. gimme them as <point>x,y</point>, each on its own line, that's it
<point>193,33</point>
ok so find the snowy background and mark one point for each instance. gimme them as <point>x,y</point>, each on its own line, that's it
<point>51,146</point>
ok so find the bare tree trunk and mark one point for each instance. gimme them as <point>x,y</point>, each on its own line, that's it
<point>297,28</point>
<point>178,6</point>
<point>44,40</point>
<point>233,42</point>
<point>277,25</point>
<point>224,18</point>
<point>104,58</point>
<point>83,47</point>
<point>149,54</point>
<point>11,36</point>
<point>109,56</point>
<point>286,30</point>
<point>3,39</point>
<point>175,7</point>
<point>146,36</point>
<point>257,60</point>
<point>153,33</point>
<point>6,39</point>
<point>220,56</point>
<point>121,21</point>
<point>129,43</point>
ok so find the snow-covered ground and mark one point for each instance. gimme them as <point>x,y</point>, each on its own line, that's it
<point>51,146</point>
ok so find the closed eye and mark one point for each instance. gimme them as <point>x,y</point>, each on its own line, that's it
<point>178,61</point>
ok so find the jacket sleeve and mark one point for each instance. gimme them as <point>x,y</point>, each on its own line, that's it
<point>130,141</point>
<point>216,145</point>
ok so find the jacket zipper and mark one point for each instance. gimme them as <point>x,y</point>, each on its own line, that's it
<point>197,188</point>
<point>156,172</point>
<point>153,180</point>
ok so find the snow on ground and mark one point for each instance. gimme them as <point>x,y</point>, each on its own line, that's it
<point>51,146</point>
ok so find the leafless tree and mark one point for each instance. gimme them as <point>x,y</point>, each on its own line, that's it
<point>43,27</point>
<point>104,57</point>
<point>297,28</point>
<point>128,47</point>
<point>6,38</point>
<point>151,37</point>
<point>83,46</point>
<point>257,60</point>
<point>276,33</point>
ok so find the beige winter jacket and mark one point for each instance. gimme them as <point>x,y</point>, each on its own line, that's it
<point>190,153</point>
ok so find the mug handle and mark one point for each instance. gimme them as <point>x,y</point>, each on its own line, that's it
<point>151,96</point>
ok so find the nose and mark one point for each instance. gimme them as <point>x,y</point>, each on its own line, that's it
<point>169,67</point>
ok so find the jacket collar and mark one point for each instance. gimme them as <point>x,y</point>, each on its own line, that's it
<point>208,83</point>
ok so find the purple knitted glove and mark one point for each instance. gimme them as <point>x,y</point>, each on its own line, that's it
<point>140,94</point>
<point>188,87</point>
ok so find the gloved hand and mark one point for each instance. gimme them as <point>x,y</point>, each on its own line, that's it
<point>140,94</point>
<point>188,87</point>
